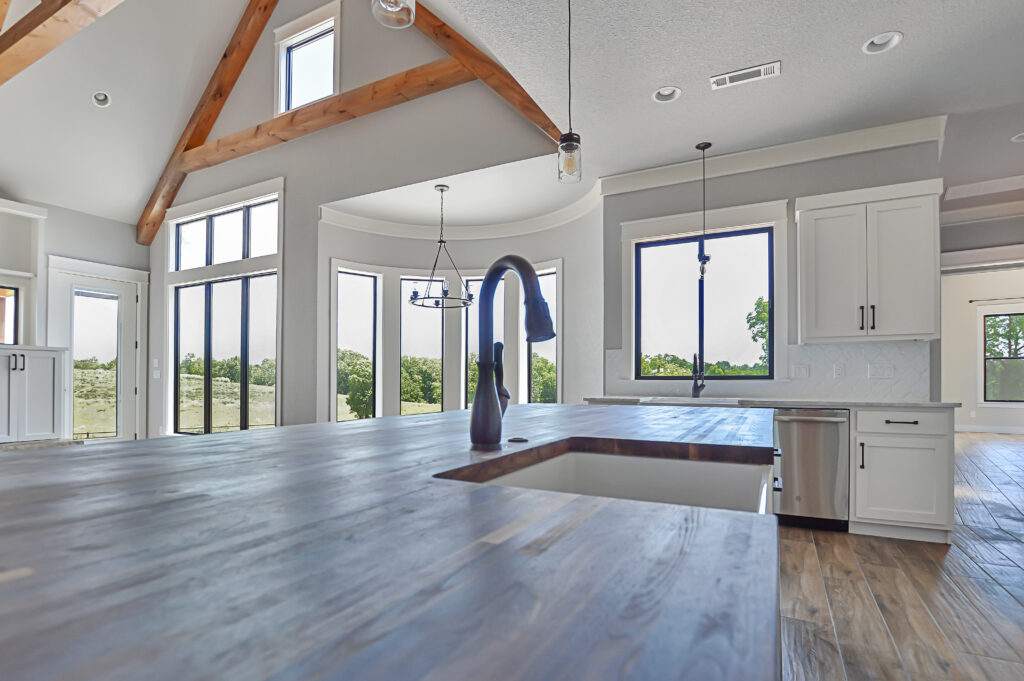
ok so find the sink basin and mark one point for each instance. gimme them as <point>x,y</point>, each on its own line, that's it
<point>714,476</point>
<point>707,401</point>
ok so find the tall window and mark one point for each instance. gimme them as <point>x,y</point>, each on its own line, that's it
<point>422,352</point>
<point>472,326</point>
<point>248,231</point>
<point>357,346</point>
<point>225,350</point>
<point>734,316</point>
<point>8,315</point>
<point>1004,357</point>
<point>542,358</point>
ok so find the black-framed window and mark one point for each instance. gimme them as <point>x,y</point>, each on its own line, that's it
<point>542,358</point>
<point>9,318</point>
<point>733,312</point>
<point>356,367</point>
<point>309,68</point>
<point>227,236</point>
<point>472,330</point>
<point>225,355</point>
<point>1004,357</point>
<point>421,350</point>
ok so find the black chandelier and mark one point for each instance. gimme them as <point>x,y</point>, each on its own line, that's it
<point>442,299</point>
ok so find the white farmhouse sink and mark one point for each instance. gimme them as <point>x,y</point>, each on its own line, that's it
<point>741,487</point>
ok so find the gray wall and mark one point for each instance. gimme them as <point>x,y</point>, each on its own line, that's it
<point>71,234</point>
<point>870,169</point>
<point>987,234</point>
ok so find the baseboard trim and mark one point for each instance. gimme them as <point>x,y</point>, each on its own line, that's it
<point>995,430</point>
<point>937,536</point>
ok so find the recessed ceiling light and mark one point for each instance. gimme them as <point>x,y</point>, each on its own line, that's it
<point>101,99</point>
<point>666,94</point>
<point>883,42</point>
<point>1018,137</point>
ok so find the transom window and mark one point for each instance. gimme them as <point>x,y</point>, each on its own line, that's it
<point>733,312</point>
<point>8,315</point>
<point>248,231</point>
<point>1004,357</point>
<point>307,58</point>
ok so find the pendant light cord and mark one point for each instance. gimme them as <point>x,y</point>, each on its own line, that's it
<point>569,76</point>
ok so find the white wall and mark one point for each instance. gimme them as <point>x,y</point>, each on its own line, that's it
<point>962,347</point>
<point>577,244</point>
<point>72,234</point>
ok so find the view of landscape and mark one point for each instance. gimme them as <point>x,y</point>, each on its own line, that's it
<point>1004,358</point>
<point>96,343</point>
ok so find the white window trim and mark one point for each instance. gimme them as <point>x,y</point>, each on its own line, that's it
<point>983,310</point>
<point>164,280</point>
<point>770,214</point>
<point>297,31</point>
<point>545,267</point>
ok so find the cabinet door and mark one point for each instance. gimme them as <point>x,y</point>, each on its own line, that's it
<point>39,400</point>
<point>833,272</point>
<point>903,267</point>
<point>8,417</point>
<point>904,479</point>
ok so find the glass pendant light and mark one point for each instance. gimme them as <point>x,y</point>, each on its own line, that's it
<point>569,148</point>
<point>442,299</point>
<point>702,257</point>
<point>394,13</point>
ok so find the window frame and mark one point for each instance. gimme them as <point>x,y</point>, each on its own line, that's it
<point>401,321</point>
<point>1017,312</point>
<point>638,247</point>
<point>303,30</point>
<point>17,314</point>
<point>246,209</point>
<point>376,335</point>
<point>529,346</point>
<point>243,398</point>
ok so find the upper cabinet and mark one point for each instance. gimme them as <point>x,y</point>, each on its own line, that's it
<point>869,269</point>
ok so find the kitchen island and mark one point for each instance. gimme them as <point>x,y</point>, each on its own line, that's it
<point>331,551</point>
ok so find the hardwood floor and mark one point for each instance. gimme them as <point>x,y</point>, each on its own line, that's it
<point>865,608</point>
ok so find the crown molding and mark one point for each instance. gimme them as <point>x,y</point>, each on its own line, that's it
<point>23,209</point>
<point>996,211</point>
<point>999,186</point>
<point>884,193</point>
<point>978,259</point>
<point>844,144</point>
<point>403,230</point>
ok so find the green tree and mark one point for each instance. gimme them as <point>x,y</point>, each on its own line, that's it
<point>543,380</point>
<point>472,376</point>
<point>665,364</point>
<point>421,379</point>
<point>360,395</point>
<point>264,373</point>
<point>1004,357</point>
<point>757,324</point>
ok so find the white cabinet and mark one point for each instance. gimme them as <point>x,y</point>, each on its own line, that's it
<point>903,479</point>
<point>869,270</point>
<point>31,394</point>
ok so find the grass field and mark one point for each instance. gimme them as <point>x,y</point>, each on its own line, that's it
<point>345,414</point>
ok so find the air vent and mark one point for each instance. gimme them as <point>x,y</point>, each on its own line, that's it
<point>747,75</point>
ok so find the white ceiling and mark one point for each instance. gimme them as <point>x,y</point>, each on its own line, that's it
<point>155,57</point>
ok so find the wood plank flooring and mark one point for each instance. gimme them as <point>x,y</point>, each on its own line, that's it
<point>860,608</point>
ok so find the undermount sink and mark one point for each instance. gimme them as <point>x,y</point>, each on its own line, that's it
<point>706,400</point>
<point>636,475</point>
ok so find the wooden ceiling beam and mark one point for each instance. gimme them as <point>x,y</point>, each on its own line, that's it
<point>46,26</point>
<point>225,75</point>
<point>4,6</point>
<point>486,69</point>
<point>377,96</point>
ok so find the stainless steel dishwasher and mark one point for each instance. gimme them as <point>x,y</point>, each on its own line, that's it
<point>813,463</point>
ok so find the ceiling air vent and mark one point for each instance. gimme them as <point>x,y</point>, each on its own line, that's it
<point>746,75</point>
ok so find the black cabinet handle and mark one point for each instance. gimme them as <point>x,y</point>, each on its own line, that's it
<point>902,423</point>
<point>861,317</point>
<point>23,363</point>
<point>872,316</point>
<point>862,455</point>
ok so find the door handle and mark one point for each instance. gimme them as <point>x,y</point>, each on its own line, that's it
<point>872,316</point>
<point>862,455</point>
<point>861,317</point>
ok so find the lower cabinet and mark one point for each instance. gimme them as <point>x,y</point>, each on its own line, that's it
<point>903,479</point>
<point>31,394</point>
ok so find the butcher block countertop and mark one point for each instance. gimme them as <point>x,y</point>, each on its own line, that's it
<point>332,552</point>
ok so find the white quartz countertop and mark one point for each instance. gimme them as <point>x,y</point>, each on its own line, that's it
<point>781,402</point>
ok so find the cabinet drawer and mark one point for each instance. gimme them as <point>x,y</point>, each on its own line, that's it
<point>904,422</point>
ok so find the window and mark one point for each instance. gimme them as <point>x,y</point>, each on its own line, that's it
<point>356,373</point>
<point>8,315</point>
<point>225,350</point>
<point>472,325</point>
<point>249,231</point>
<point>733,313</point>
<point>307,58</point>
<point>422,353</point>
<point>542,358</point>
<point>1004,357</point>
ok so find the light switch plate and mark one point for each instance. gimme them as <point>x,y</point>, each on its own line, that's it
<point>800,371</point>
<point>838,370</point>
<point>881,371</point>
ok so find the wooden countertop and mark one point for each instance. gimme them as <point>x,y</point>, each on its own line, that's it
<point>331,551</point>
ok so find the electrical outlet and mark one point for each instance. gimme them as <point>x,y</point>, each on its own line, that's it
<point>800,371</point>
<point>881,371</point>
<point>838,370</point>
